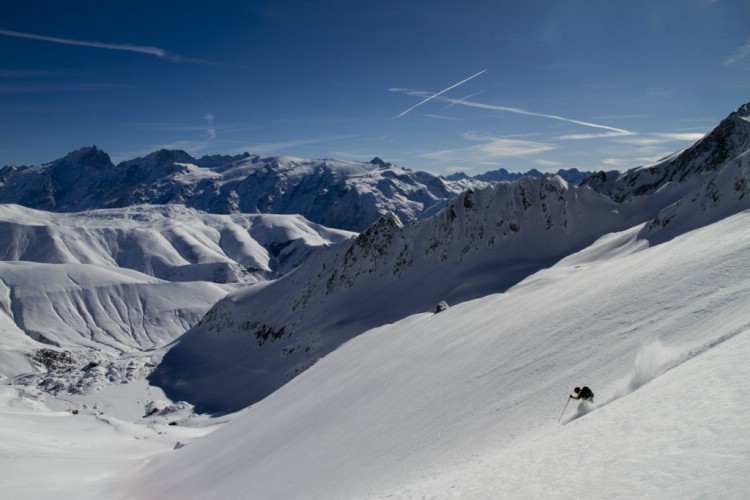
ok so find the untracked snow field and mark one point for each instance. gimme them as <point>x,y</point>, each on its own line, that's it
<point>466,403</point>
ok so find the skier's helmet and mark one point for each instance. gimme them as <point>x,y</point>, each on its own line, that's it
<point>577,390</point>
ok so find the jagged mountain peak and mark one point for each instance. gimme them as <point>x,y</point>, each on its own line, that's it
<point>743,111</point>
<point>165,157</point>
<point>91,157</point>
<point>682,171</point>
<point>379,162</point>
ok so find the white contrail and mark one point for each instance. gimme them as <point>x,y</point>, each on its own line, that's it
<point>441,92</point>
<point>154,51</point>
<point>473,104</point>
<point>613,131</point>
<point>464,98</point>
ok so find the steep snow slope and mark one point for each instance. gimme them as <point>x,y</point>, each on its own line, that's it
<point>76,305</point>
<point>722,193</point>
<point>342,194</point>
<point>484,242</point>
<point>466,403</point>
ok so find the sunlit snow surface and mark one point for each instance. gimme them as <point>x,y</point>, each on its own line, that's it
<point>466,403</point>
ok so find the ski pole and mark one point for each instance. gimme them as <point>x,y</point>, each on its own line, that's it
<point>566,407</point>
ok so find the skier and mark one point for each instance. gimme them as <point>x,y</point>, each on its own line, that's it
<point>584,394</point>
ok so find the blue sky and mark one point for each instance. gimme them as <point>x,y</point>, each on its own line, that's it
<point>439,86</point>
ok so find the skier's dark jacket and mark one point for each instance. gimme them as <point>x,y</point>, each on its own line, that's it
<point>584,394</point>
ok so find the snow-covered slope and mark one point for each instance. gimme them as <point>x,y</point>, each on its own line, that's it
<point>465,403</point>
<point>168,242</point>
<point>483,242</point>
<point>75,305</point>
<point>87,285</point>
<point>341,194</point>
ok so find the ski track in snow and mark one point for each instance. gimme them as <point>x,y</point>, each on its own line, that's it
<point>652,361</point>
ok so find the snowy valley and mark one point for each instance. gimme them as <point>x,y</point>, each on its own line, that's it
<point>189,338</point>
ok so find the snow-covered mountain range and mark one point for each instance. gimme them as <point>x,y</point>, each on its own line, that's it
<point>483,242</point>
<point>636,284</point>
<point>112,281</point>
<point>570,175</point>
<point>341,194</point>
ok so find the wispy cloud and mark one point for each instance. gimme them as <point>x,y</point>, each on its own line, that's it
<point>191,146</point>
<point>548,163</point>
<point>659,138</point>
<point>44,88</point>
<point>659,92</point>
<point>141,49</point>
<point>154,51</point>
<point>650,148</point>
<point>441,92</point>
<point>490,148</point>
<point>740,55</point>
<point>210,128</point>
<point>279,147</point>
<point>603,135</point>
<point>615,163</point>
<point>682,136</point>
<point>23,73</point>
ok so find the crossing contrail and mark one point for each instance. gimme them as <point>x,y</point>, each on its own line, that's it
<point>464,101</point>
<point>441,92</point>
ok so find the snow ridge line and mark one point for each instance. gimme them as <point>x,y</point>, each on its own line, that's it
<point>7,300</point>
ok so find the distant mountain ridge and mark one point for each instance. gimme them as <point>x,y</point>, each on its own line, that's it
<point>339,194</point>
<point>572,175</point>
<point>483,242</point>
